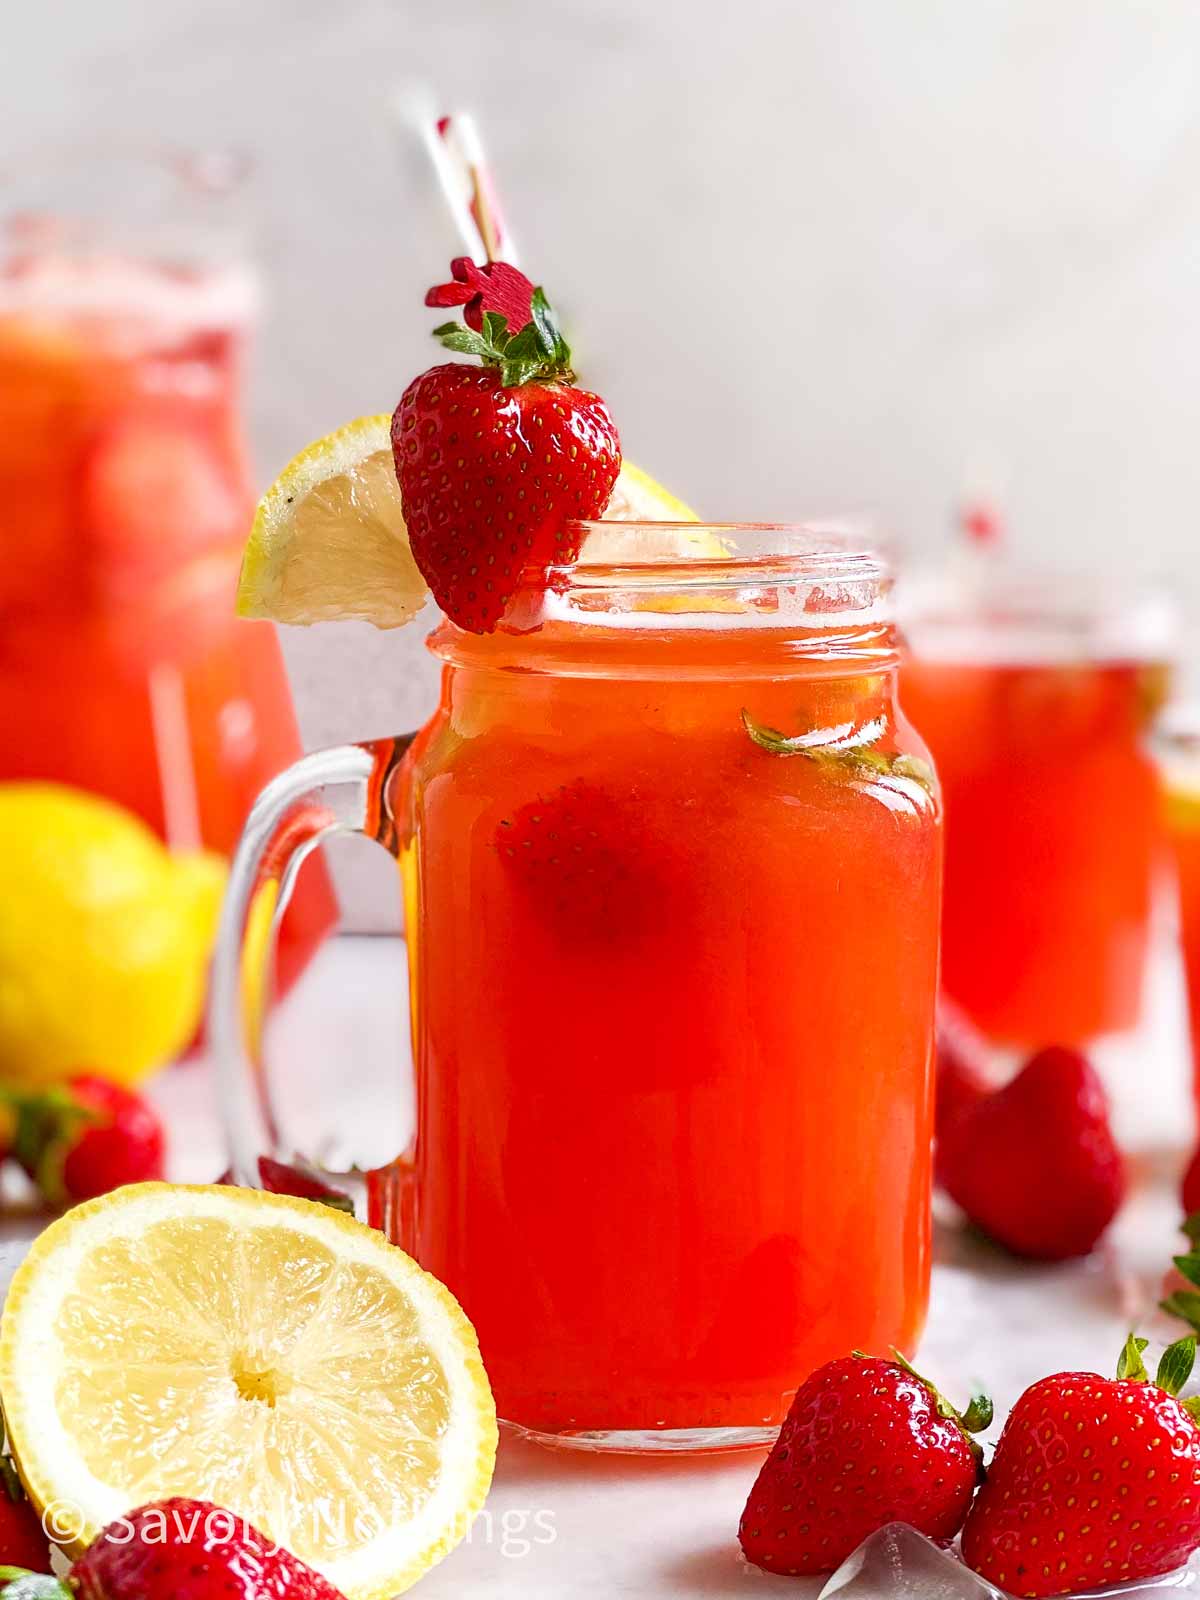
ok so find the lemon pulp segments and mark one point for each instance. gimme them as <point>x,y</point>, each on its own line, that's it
<point>267,1354</point>
<point>329,542</point>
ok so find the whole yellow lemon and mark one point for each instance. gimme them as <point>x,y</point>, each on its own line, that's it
<point>104,938</point>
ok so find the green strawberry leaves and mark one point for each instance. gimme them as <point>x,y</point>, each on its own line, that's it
<point>1130,1364</point>
<point>847,751</point>
<point>537,351</point>
<point>1185,1303</point>
<point>549,334</point>
<point>1176,1365</point>
<point>48,1118</point>
<point>1174,1368</point>
<point>977,1417</point>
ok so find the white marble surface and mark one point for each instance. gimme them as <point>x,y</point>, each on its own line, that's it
<point>561,1524</point>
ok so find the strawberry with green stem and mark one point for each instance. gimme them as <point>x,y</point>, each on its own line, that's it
<point>867,1441</point>
<point>83,1138</point>
<point>496,462</point>
<point>23,1542</point>
<point>299,1178</point>
<point>1095,1481</point>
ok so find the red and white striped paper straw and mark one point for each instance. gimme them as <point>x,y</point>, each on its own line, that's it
<point>455,150</point>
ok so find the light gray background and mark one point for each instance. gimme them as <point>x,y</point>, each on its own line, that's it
<point>816,255</point>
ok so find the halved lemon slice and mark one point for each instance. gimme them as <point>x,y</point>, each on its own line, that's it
<point>268,1354</point>
<point>329,543</point>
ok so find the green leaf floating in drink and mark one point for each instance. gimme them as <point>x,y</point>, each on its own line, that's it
<point>850,750</point>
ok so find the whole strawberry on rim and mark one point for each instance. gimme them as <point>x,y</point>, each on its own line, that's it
<point>495,462</point>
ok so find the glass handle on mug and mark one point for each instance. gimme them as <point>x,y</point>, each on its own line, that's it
<point>345,789</point>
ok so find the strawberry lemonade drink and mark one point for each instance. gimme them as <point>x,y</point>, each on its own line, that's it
<point>670,858</point>
<point>1179,746</point>
<point>1037,700</point>
<point>1184,815</point>
<point>125,487</point>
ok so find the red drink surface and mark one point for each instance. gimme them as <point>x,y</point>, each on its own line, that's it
<point>673,1147</point>
<point>126,491</point>
<point>1052,832</point>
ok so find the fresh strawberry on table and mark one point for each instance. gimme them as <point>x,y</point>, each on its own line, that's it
<point>299,1179</point>
<point>86,1137</point>
<point>494,461</point>
<point>1035,1164</point>
<point>23,1542</point>
<point>1191,1185</point>
<point>867,1442</point>
<point>186,1550</point>
<point>1094,1481</point>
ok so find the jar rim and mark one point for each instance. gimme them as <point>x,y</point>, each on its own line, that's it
<point>692,556</point>
<point>799,589</point>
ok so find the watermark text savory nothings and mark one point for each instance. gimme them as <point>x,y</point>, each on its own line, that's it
<point>515,1532</point>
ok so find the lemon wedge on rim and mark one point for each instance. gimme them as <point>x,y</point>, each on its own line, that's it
<point>636,497</point>
<point>270,1355</point>
<point>328,543</point>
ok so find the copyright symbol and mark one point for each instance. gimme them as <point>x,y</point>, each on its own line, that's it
<point>61,1520</point>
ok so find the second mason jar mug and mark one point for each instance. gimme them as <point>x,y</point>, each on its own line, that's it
<point>670,858</point>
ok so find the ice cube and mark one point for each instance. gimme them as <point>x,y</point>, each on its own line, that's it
<point>898,1563</point>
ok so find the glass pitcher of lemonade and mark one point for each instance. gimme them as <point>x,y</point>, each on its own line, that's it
<point>670,858</point>
<point>124,315</point>
<point>1178,745</point>
<point>1036,694</point>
